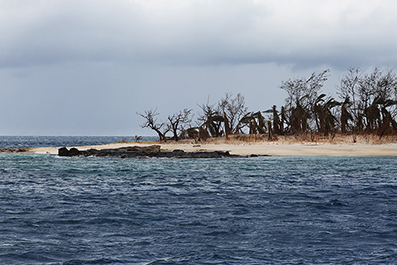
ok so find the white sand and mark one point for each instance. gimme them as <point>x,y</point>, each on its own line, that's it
<point>265,148</point>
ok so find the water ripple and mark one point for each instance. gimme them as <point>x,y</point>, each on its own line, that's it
<point>271,210</point>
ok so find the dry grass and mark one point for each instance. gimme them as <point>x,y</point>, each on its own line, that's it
<point>306,138</point>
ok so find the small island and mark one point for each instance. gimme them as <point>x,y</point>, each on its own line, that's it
<point>243,146</point>
<point>360,122</point>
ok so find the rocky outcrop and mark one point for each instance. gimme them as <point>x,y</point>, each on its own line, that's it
<point>14,150</point>
<point>147,151</point>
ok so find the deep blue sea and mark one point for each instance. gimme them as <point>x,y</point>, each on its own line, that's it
<point>265,210</point>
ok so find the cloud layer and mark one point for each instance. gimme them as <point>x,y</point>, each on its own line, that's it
<point>199,32</point>
<point>85,67</point>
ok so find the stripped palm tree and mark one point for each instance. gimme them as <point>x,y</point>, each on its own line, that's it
<point>255,122</point>
<point>283,119</point>
<point>346,115</point>
<point>388,124</point>
<point>299,118</point>
<point>277,126</point>
<point>329,117</point>
<point>372,116</point>
<point>319,114</point>
<point>324,117</point>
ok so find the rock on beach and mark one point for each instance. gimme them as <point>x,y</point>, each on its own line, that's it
<point>142,151</point>
<point>14,150</point>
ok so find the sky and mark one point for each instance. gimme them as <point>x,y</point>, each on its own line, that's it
<point>86,67</point>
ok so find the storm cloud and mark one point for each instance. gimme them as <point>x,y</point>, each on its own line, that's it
<point>107,60</point>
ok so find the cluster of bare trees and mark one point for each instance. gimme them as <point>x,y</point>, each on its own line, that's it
<point>367,103</point>
<point>215,120</point>
<point>177,123</point>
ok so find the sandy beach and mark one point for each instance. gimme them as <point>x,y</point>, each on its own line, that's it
<point>261,148</point>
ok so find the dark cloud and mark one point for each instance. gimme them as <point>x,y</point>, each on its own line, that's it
<point>108,59</point>
<point>197,32</point>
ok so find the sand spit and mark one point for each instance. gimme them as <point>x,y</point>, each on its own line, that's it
<point>258,148</point>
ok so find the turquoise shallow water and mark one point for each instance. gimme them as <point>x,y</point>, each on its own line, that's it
<point>268,210</point>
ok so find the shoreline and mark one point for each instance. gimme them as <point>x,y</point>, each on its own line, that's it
<point>256,148</point>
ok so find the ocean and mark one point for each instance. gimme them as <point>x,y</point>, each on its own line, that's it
<point>60,141</point>
<point>263,210</point>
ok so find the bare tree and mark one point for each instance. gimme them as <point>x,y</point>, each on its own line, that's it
<point>178,121</point>
<point>302,96</point>
<point>372,99</point>
<point>305,90</point>
<point>151,122</point>
<point>210,121</point>
<point>223,118</point>
<point>233,110</point>
<point>348,93</point>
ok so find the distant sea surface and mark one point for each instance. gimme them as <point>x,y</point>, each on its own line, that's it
<point>60,141</point>
<point>265,210</point>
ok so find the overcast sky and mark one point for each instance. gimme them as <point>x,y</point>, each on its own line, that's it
<point>85,67</point>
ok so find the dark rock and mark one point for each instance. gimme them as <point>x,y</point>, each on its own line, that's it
<point>63,151</point>
<point>22,149</point>
<point>223,153</point>
<point>14,150</point>
<point>147,151</point>
<point>178,151</point>
<point>72,152</point>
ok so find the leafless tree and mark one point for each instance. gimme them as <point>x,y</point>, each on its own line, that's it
<point>348,92</point>
<point>210,121</point>
<point>178,121</point>
<point>151,122</point>
<point>233,110</point>
<point>304,90</point>
<point>302,96</point>
<point>372,99</point>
